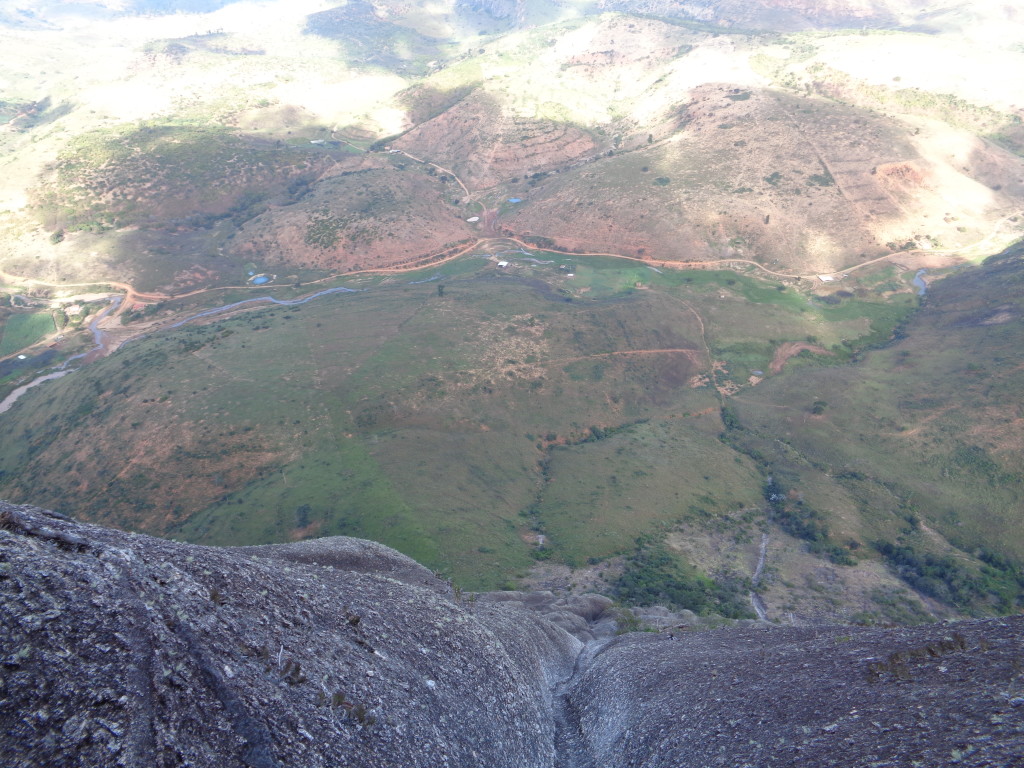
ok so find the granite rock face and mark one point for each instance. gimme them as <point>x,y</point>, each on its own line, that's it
<point>118,649</point>
<point>936,695</point>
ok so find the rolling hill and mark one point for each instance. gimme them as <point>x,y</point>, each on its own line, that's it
<point>487,419</point>
<point>705,367</point>
<point>680,137</point>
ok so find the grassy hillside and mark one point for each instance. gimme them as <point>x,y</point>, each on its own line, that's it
<point>918,445</point>
<point>484,419</point>
<point>572,418</point>
<point>22,329</point>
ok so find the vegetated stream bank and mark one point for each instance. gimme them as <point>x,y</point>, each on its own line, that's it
<point>919,282</point>
<point>256,300</point>
<point>755,599</point>
<point>100,338</point>
<point>7,402</point>
<point>62,369</point>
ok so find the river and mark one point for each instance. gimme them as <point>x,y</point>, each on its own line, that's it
<point>922,286</point>
<point>63,370</point>
<point>8,401</point>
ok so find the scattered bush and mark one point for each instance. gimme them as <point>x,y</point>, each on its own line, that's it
<point>998,585</point>
<point>798,519</point>
<point>655,577</point>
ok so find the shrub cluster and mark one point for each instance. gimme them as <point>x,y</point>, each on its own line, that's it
<point>997,586</point>
<point>654,577</point>
<point>804,522</point>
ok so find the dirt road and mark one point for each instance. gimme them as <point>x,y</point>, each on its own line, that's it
<point>790,349</point>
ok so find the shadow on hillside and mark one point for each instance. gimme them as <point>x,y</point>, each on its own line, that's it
<point>366,40</point>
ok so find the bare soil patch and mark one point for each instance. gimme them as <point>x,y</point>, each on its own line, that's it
<point>485,143</point>
<point>925,260</point>
<point>789,349</point>
<point>375,214</point>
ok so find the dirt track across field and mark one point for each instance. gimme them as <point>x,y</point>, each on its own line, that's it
<point>791,348</point>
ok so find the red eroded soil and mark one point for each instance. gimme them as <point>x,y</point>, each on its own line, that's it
<point>374,214</point>
<point>789,349</point>
<point>485,144</point>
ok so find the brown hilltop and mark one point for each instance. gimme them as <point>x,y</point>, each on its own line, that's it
<point>745,173</point>
<point>485,144</point>
<point>370,211</point>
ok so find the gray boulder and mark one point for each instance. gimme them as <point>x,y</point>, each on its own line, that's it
<point>124,650</point>
<point>118,649</point>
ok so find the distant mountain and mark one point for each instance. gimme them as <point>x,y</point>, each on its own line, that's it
<point>43,14</point>
<point>621,133</point>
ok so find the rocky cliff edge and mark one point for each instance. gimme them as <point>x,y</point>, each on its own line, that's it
<point>118,649</point>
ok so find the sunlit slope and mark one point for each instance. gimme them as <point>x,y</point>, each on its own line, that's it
<point>367,211</point>
<point>747,174</point>
<point>140,136</point>
<point>993,21</point>
<point>535,100</point>
<point>201,134</point>
<point>718,146</point>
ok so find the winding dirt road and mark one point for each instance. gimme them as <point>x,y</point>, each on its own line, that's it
<point>493,241</point>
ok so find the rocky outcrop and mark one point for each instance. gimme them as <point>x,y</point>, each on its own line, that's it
<point>812,696</point>
<point>118,649</point>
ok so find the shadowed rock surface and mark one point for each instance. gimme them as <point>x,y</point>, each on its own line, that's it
<point>119,649</point>
<point>933,695</point>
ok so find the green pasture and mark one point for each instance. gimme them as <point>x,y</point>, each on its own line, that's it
<point>23,329</point>
<point>919,428</point>
<point>460,425</point>
<point>648,477</point>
